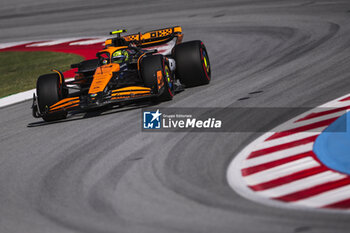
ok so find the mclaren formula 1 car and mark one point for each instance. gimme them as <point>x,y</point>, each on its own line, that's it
<point>154,66</point>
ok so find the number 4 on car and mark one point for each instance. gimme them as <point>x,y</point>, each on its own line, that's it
<point>151,66</point>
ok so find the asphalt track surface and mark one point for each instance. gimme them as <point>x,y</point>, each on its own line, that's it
<point>102,174</point>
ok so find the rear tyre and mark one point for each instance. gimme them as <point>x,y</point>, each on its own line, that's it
<point>50,90</point>
<point>153,67</point>
<point>192,63</point>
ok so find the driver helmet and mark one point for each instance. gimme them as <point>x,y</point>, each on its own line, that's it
<point>120,56</point>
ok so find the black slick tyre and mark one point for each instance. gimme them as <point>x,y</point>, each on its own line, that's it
<point>192,63</point>
<point>153,68</point>
<point>49,88</point>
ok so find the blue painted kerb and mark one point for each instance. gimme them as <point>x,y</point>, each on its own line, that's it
<point>332,146</point>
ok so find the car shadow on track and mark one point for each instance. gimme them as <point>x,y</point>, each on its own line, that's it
<point>107,110</point>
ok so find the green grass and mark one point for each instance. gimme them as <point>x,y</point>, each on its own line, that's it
<point>20,70</point>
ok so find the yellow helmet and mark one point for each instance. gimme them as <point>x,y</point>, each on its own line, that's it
<point>120,56</point>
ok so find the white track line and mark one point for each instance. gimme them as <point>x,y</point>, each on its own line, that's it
<point>53,42</point>
<point>12,44</point>
<point>89,42</point>
<point>302,184</point>
<point>16,98</point>
<point>281,171</point>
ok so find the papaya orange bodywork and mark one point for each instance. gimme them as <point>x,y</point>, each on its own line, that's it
<point>66,106</point>
<point>131,91</point>
<point>59,74</point>
<point>102,76</point>
<point>65,103</point>
<point>66,100</point>
<point>160,79</point>
<point>138,61</point>
<point>111,50</point>
<point>153,34</point>
<point>108,42</point>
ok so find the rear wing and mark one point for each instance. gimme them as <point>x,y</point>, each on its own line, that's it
<point>151,38</point>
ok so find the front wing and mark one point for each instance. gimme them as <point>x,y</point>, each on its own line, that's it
<point>120,95</point>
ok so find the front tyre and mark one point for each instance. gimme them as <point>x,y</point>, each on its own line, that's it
<point>192,63</point>
<point>50,90</point>
<point>157,75</point>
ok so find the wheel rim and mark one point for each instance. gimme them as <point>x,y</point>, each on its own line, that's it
<point>168,79</point>
<point>167,76</point>
<point>206,63</point>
